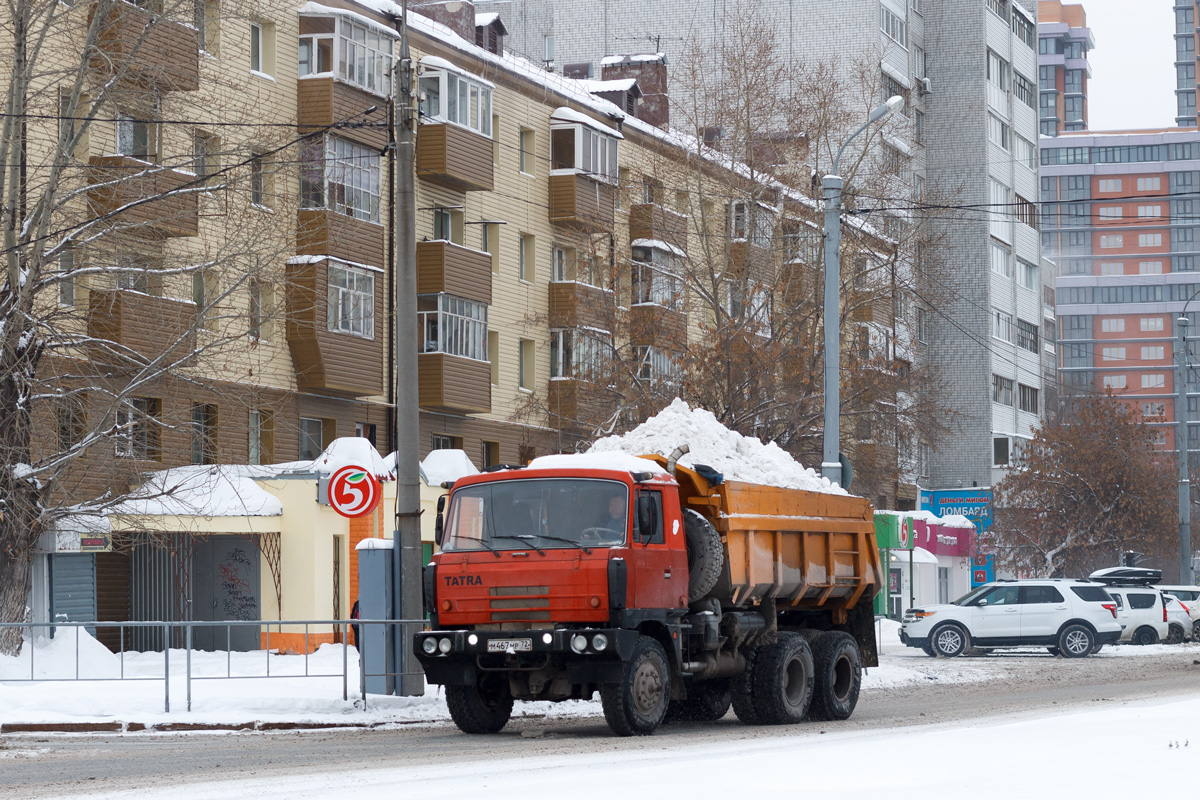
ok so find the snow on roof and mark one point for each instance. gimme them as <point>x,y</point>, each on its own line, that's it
<point>446,465</point>
<point>215,490</point>
<point>634,58</point>
<point>440,63</point>
<point>622,461</point>
<point>317,8</point>
<point>658,243</point>
<point>374,544</point>
<point>486,19</point>
<point>564,114</point>
<point>895,74</point>
<point>737,457</point>
<point>615,85</point>
<point>956,521</point>
<point>355,451</point>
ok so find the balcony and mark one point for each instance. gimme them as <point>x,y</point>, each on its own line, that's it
<point>324,360</point>
<point>650,221</point>
<point>450,268</point>
<point>120,180</point>
<point>579,305</point>
<point>147,50</point>
<point>321,232</point>
<point>454,157</point>
<point>581,202</point>
<point>454,384</point>
<point>751,261</point>
<point>323,101</point>
<point>651,324</point>
<point>149,326</point>
<point>573,403</point>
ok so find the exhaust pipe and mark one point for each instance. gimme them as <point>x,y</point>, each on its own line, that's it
<point>683,449</point>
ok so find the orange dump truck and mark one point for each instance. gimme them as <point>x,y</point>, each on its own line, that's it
<point>669,591</point>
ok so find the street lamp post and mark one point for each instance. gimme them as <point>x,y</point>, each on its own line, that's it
<point>831,465</point>
<point>1181,446</point>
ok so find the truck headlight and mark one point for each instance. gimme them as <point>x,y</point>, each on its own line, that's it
<point>579,643</point>
<point>599,641</point>
<point>429,645</point>
<point>444,645</point>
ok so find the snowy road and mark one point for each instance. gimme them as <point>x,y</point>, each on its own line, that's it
<point>1023,719</point>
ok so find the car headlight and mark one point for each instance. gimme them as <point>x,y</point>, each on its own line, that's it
<point>599,641</point>
<point>444,645</point>
<point>579,643</point>
<point>429,645</point>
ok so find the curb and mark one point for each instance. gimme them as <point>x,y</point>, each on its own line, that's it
<point>176,727</point>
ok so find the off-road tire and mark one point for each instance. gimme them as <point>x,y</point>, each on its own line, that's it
<point>838,675</point>
<point>484,707</point>
<point>949,640</point>
<point>741,691</point>
<point>636,706</point>
<point>705,554</point>
<point>783,680</point>
<point>706,701</point>
<point>1174,634</point>
<point>1076,641</point>
<point>1145,635</point>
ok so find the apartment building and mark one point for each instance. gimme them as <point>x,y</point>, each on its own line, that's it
<point>1064,41</point>
<point>1186,13</point>
<point>1119,216</point>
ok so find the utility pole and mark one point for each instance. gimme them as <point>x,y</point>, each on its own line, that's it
<point>1181,445</point>
<point>406,544</point>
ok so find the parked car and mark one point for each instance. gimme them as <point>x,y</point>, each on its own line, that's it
<point>1141,607</point>
<point>1179,620</point>
<point>1190,597</point>
<point>1071,617</point>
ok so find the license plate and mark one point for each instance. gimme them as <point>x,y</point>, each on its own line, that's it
<point>504,645</point>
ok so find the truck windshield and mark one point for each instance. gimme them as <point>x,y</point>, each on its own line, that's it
<point>538,513</point>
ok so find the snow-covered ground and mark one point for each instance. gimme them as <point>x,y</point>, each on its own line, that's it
<point>287,696</point>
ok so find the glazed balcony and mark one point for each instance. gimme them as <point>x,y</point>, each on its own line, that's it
<point>580,202</point>
<point>148,50</point>
<point>447,268</point>
<point>651,221</point>
<point>323,101</point>
<point>454,384</point>
<point>149,326</point>
<point>331,361</point>
<point>580,305</point>
<point>120,180</point>
<point>452,156</point>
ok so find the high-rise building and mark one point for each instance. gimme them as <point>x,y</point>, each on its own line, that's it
<point>972,143</point>
<point>1185,62</point>
<point>1064,40</point>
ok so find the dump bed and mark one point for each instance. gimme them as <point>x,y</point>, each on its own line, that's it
<point>803,549</point>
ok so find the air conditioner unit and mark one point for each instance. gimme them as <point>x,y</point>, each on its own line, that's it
<point>925,87</point>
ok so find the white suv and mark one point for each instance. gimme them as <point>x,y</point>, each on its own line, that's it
<point>1190,597</point>
<point>1071,617</point>
<point>1140,606</point>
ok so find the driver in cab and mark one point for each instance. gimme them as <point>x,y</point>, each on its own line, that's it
<point>611,527</point>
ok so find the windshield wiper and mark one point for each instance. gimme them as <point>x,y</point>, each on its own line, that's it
<point>564,540</point>
<point>524,537</point>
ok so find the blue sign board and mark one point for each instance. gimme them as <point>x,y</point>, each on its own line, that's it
<point>975,505</point>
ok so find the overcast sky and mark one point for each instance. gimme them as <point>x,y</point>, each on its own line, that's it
<point>1133,65</point>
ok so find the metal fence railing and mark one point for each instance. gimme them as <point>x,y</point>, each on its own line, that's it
<point>369,634</point>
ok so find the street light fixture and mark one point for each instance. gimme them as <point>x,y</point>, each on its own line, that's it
<point>1181,444</point>
<point>831,465</point>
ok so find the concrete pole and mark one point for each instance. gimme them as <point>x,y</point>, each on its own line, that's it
<point>831,466</point>
<point>1181,445</point>
<point>406,550</point>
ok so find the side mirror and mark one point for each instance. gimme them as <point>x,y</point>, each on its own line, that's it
<point>982,603</point>
<point>441,504</point>
<point>645,518</point>
<point>438,524</point>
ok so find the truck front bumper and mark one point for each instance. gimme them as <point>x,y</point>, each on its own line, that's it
<point>589,655</point>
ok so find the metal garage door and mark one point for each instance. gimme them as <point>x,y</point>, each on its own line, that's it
<point>73,588</point>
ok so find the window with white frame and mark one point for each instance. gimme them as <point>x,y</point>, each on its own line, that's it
<point>342,176</point>
<point>1028,398</point>
<point>1115,382</point>
<point>580,147</point>
<point>1110,185</point>
<point>256,47</point>
<point>655,365</point>
<point>1002,325</point>
<point>1027,153</point>
<point>1149,184</point>
<point>1150,323</point>
<point>1153,353</point>
<point>1112,354</point>
<point>558,264</point>
<point>456,97</point>
<point>655,278</point>
<point>1001,260</point>
<point>1112,325</point>
<point>751,220</point>
<point>1149,240</point>
<point>1002,390</point>
<point>351,300</point>
<point>1149,212</point>
<point>1154,380</point>
<point>892,25</point>
<point>1110,213</point>
<point>356,53</point>
<point>453,325</point>
<point>999,133</point>
<point>137,138</point>
<point>1150,267</point>
<point>578,354</point>
<point>1112,241</point>
<point>1154,409</point>
<point>1112,268</point>
<point>1000,212</point>
<point>1027,274</point>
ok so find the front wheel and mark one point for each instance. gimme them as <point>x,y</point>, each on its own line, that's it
<point>949,641</point>
<point>484,707</point>
<point>636,706</point>
<point>1076,641</point>
<point>928,650</point>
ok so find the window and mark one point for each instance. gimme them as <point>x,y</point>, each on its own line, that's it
<point>1150,267</point>
<point>1112,325</point>
<point>999,212</point>
<point>443,225</point>
<point>137,432</point>
<point>1001,261</point>
<point>1028,398</point>
<point>1002,325</point>
<point>923,325</point>
<point>918,60</point>
<point>66,283</point>
<point>1149,240</point>
<point>1023,29</point>
<point>70,419</point>
<point>586,148</point>
<point>1110,213</point>
<point>137,138</point>
<point>262,47</point>
<point>1151,323</point>
<point>654,278</point>
<point>558,264</point>
<point>1112,354</point>
<point>1149,184</point>
<point>1112,268</point>
<point>441,441</point>
<point>1027,153</point>
<point>752,220</point>
<point>261,188</point>
<point>1024,211</point>
<point>999,77</point>
<point>204,433</point>
<point>1110,185</point>
<point>453,325</point>
<point>1024,90</point>
<point>1027,274</point>
<point>575,354</point>
<point>1114,382</point>
<point>525,253</point>
<point>1027,335</point>
<point>489,453</point>
<point>1153,410</point>
<point>262,436</point>
<point>458,98</point>
<point>525,145</point>
<point>999,8</point>
<point>892,25</point>
<point>1152,353</point>
<point>655,365</point>
<point>341,176</point>
<point>1149,212</point>
<point>256,47</point>
<point>351,300</point>
<point>1002,390</point>
<point>1000,451</point>
<point>548,48</point>
<point>998,132</point>
<point>312,438</point>
<point>1112,241</point>
<point>1154,381</point>
<point>525,363</point>
<point>317,44</point>
<point>204,296</point>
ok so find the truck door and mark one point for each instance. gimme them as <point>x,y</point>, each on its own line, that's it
<point>657,571</point>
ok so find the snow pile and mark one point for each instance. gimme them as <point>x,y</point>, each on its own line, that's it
<point>56,659</point>
<point>224,490</point>
<point>446,465</point>
<point>610,460</point>
<point>737,457</point>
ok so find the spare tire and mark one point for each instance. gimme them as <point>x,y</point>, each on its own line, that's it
<point>705,554</point>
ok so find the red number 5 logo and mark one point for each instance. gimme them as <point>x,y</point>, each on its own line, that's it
<point>354,492</point>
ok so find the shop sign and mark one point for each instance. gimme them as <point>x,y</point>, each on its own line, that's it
<point>354,491</point>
